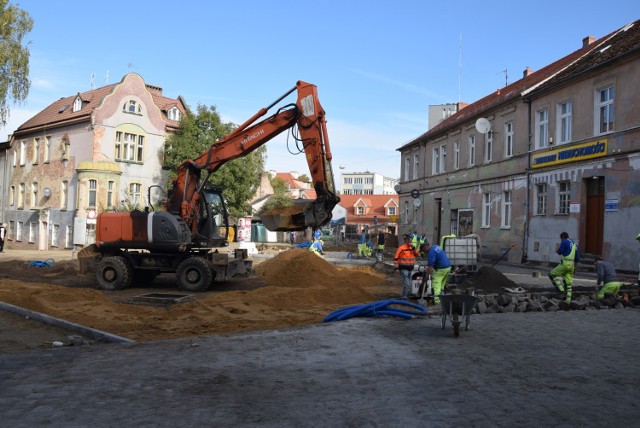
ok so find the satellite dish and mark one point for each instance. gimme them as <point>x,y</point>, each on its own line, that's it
<point>397,188</point>
<point>483,125</point>
<point>417,203</point>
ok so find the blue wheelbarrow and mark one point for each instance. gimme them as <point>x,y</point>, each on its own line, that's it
<point>457,307</point>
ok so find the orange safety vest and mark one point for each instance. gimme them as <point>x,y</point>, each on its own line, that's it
<point>405,256</point>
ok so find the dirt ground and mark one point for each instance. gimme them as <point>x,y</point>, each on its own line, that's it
<point>293,288</point>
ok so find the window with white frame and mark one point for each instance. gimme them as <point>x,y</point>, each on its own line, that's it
<point>416,164</point>
<point>508,139</point>
<point>132,106</point>
<point>565,119</point>
<point>357,180</point>
<point>36,149</point>
<point>435,163</point>
<point>23,152</point>
<point>407,169</point>
<point>542,128</point>
<point>488,146</point>
<point>174,114</point>
<point>21,195</point>
<point>506,209</point>
<point>65,147</point>
<point>129,147</point>
<point>19,229</point>
<point>32,232</point>
<point>64,190</point>
<point>486,210</point>
<point>34,194</point>
<point>15,158</point>
<point>55,235</point>
<point>456,155</point>
<point>391,210</point>
<point>348,180</point>
<point>443,158</point>
<point>368,180</point>
<point>92,193</point>
<point>110,187</point>
<point>406,212</point>
<point>12,195</point>
<point>12,228</point>
<point>77,104</point>
<point>68,237</point>
<point>47,149</point>
<point>359,210</point>
<point>135,190</point>
<point>472,150</point>
<point>564,193</point>
<point>604,110</point>
<point>541,199</point>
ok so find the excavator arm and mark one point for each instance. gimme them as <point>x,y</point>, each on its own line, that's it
<point>309,116</point>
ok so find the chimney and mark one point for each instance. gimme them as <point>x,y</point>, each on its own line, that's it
<point>587,41</point>
<point>527,71</point>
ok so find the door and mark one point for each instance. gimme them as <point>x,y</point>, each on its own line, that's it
<point>595,215</point>
<point>437,216</point>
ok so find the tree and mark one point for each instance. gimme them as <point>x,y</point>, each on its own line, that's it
<point>280,198</point>
<point>239,178</point>
<point>15,23</point>
<point>304,178</point>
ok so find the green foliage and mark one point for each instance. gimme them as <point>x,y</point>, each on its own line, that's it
<point>280,198</point>
<point>279,186</point>
<point>15,23</point>
<point>239,178</point>
<point>304,178</point>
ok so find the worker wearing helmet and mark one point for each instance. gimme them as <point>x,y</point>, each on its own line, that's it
<point>439,268</point>
<point>569,256</point>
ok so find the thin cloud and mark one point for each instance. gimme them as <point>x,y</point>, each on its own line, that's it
<point>409,87</point>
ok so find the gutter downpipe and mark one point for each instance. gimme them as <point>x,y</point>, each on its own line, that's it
<point>525,238</point>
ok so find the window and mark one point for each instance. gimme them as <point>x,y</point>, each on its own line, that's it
<point>443,158</point>
<point>12,195</point>
<point>416,163</point>
<point>368,180</point>
<point>486,210</point>
<point>132,106</point>
<point>604,110</point>
<point>435,167</point>
<point>55,235</point>
<point>21,192</point>
<point>134,194</point>
<point>542,128</point>
<point>407,168</point>
<point>506,209</point>
<point>472,150</point>
<point>564,122</point>
<point>456,155</point>
<point>360,210</point>
<point>36,149</point>
<point>19,231</point>
<point>406,212</point>
<point>32,232</point>
<point>34,194</point>
<point>65,148</point>
<point>357,180</point>
<point>488,146</point>
<point>508,139</point>
<point>391,211</point>
<point>541,199</point>
<point>129,147</point>
<point>12,227</point>
<point>15,158</point>
<point>64,188</point>
<point>23,152</point>
<point>174,114</point>
<point>93,191</point>
<point>77,104</point>
<point>110,186</point>
<point>68,237</point>
<point>47,149</point>
<point>348,180</point>
<point>564,193</point>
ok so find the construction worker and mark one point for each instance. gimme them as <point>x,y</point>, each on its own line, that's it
<point>439,267</point>
<point>380,247</point>
<point>317,234</point>
<point>415,239</point>
<point>638,281</point>
<point>362,244</point>
<point>316,247</point>
<point>606,273</point>
<point>569,256</point>
<point>404,261</point>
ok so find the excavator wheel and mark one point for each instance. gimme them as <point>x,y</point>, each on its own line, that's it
<point>194,274</point>
<point>114,273</point>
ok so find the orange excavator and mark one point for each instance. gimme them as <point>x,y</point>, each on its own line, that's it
<point>135,247</point>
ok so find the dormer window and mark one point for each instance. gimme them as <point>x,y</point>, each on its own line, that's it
<point>77,104</point>
<point>174,114</point>
<point>132,106</point>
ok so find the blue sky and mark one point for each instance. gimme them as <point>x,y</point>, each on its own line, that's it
<point>378,64</point>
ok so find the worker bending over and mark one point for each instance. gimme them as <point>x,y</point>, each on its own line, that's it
<point>439,268</point>
<point>606,273</point>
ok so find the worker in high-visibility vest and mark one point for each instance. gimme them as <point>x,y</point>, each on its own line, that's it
<point>439,268</point>
<point>564,271</point>
<point>606,274</point>
<point>404,261</point>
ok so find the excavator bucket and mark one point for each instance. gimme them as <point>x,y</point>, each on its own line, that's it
<point>295,217</point>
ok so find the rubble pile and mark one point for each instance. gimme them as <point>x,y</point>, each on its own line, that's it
<point>528,302</point>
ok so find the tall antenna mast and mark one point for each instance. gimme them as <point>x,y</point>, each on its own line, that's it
<point>93,78</point>
<point>106,78</point>
<point>459,68</point>
<point>506,77</point>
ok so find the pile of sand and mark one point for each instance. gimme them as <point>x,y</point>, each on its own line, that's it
<point>300,288</point>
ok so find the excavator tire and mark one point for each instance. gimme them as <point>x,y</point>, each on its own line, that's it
<point>194,274</point>
<point>114,273</point>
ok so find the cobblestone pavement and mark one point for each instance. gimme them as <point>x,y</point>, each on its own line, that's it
<point>576,368</point>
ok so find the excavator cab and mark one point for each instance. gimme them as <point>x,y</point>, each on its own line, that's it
<point>213,224</point>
